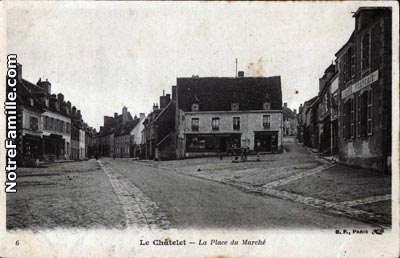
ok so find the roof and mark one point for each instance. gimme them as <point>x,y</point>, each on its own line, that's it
<point>371,8</point>
<point>218,93</point>
<point>288,112</point>
<point>127,127</point>
<point>346,44</point>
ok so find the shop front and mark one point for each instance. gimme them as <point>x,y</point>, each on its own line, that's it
<point>31,147</point>
<point>211,144</point>
<point>53,147</point>
<point>266,141</point>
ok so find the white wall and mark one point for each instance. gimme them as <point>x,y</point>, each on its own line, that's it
<point>250,121</point>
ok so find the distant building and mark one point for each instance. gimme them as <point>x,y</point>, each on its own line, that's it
<point>327,127</point>
<point>105,136</point>
<point>127,138</point>
<point>365,82</point>
<point>219,115</point>
<point>158,135</point>
<point>290,121</point>
<point>306,125</point>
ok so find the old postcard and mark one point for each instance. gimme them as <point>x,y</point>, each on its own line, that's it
<point>199,129</point>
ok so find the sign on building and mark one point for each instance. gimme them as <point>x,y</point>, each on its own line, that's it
<point>364,82</point>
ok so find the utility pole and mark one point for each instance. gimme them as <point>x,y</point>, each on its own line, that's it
<point>236,74</point>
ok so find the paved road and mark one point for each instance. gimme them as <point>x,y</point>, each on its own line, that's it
<point>182,201</point>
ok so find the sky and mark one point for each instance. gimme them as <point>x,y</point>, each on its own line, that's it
<point>104,55</point>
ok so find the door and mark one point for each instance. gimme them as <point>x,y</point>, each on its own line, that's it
<point>222,144</point>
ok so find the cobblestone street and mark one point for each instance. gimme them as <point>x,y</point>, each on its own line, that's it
<point>294,189</point>
<point>64,195</point>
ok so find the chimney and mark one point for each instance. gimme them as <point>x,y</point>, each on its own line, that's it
<point>19,72</point>
<point>124,115</point>
<point>295,111</point>
<point>240,74</point>
<point>73,111</point>
<point>78,114</point>
<point>45,85</point>
<point>164,100</point>
<point>115,115</point>
<point>285,105</point>
<point>173,92</point>
<point>60,97</point>
<point>155,106</point>
<point>141,116</point>
<point>68,107</point>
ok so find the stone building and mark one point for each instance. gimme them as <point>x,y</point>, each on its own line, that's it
<point>216,115</point>
<point>290,121</point>
<point>365,82</point>
<point>44,124</point>
<point>327,127</point>
<point>127,138</point>
<point>105,137</point>
<point>158,135</point>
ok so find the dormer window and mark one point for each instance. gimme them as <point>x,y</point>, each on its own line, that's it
<point>267,106</point>
<point>57,106</point>
<point>195,107</point>
<point>235,106</point>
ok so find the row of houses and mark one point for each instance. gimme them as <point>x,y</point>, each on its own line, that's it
<point>350,118</point>
<point>203,116</point>
<point>49,128</point>
<point>216,116</point>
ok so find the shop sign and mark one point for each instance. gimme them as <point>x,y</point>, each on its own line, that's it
<point>364,82</point>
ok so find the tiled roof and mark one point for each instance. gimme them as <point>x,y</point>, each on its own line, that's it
<point>218,93</point>
<point>127,127</point>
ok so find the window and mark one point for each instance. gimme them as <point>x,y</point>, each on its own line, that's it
<point>68,128</point>
<point>236,123</point>
<point>215,123</point>
<point>266,121</point>
<point>369,113</point>
<point>350,66</point>
<point>62,126</point>
<point>51,127</point>
<point>45,122</point>
<point>195,107</point>
<point>352,118</point>
<point>195,124</point>
<point>235,106</point>
<point>196,143</point>
<point>33,123</point>
<point>365,51</point>
<point>267,106</point>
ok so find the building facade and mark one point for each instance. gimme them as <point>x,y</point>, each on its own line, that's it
<point>222,115</point>
<point>290,121</point>
<point>45,122</point>
<point>105,137</point>
<point>365,91</point>
<point>159,138</point>
<point>127,138</point>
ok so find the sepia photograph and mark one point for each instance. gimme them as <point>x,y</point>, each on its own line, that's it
<point>134,118</point>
